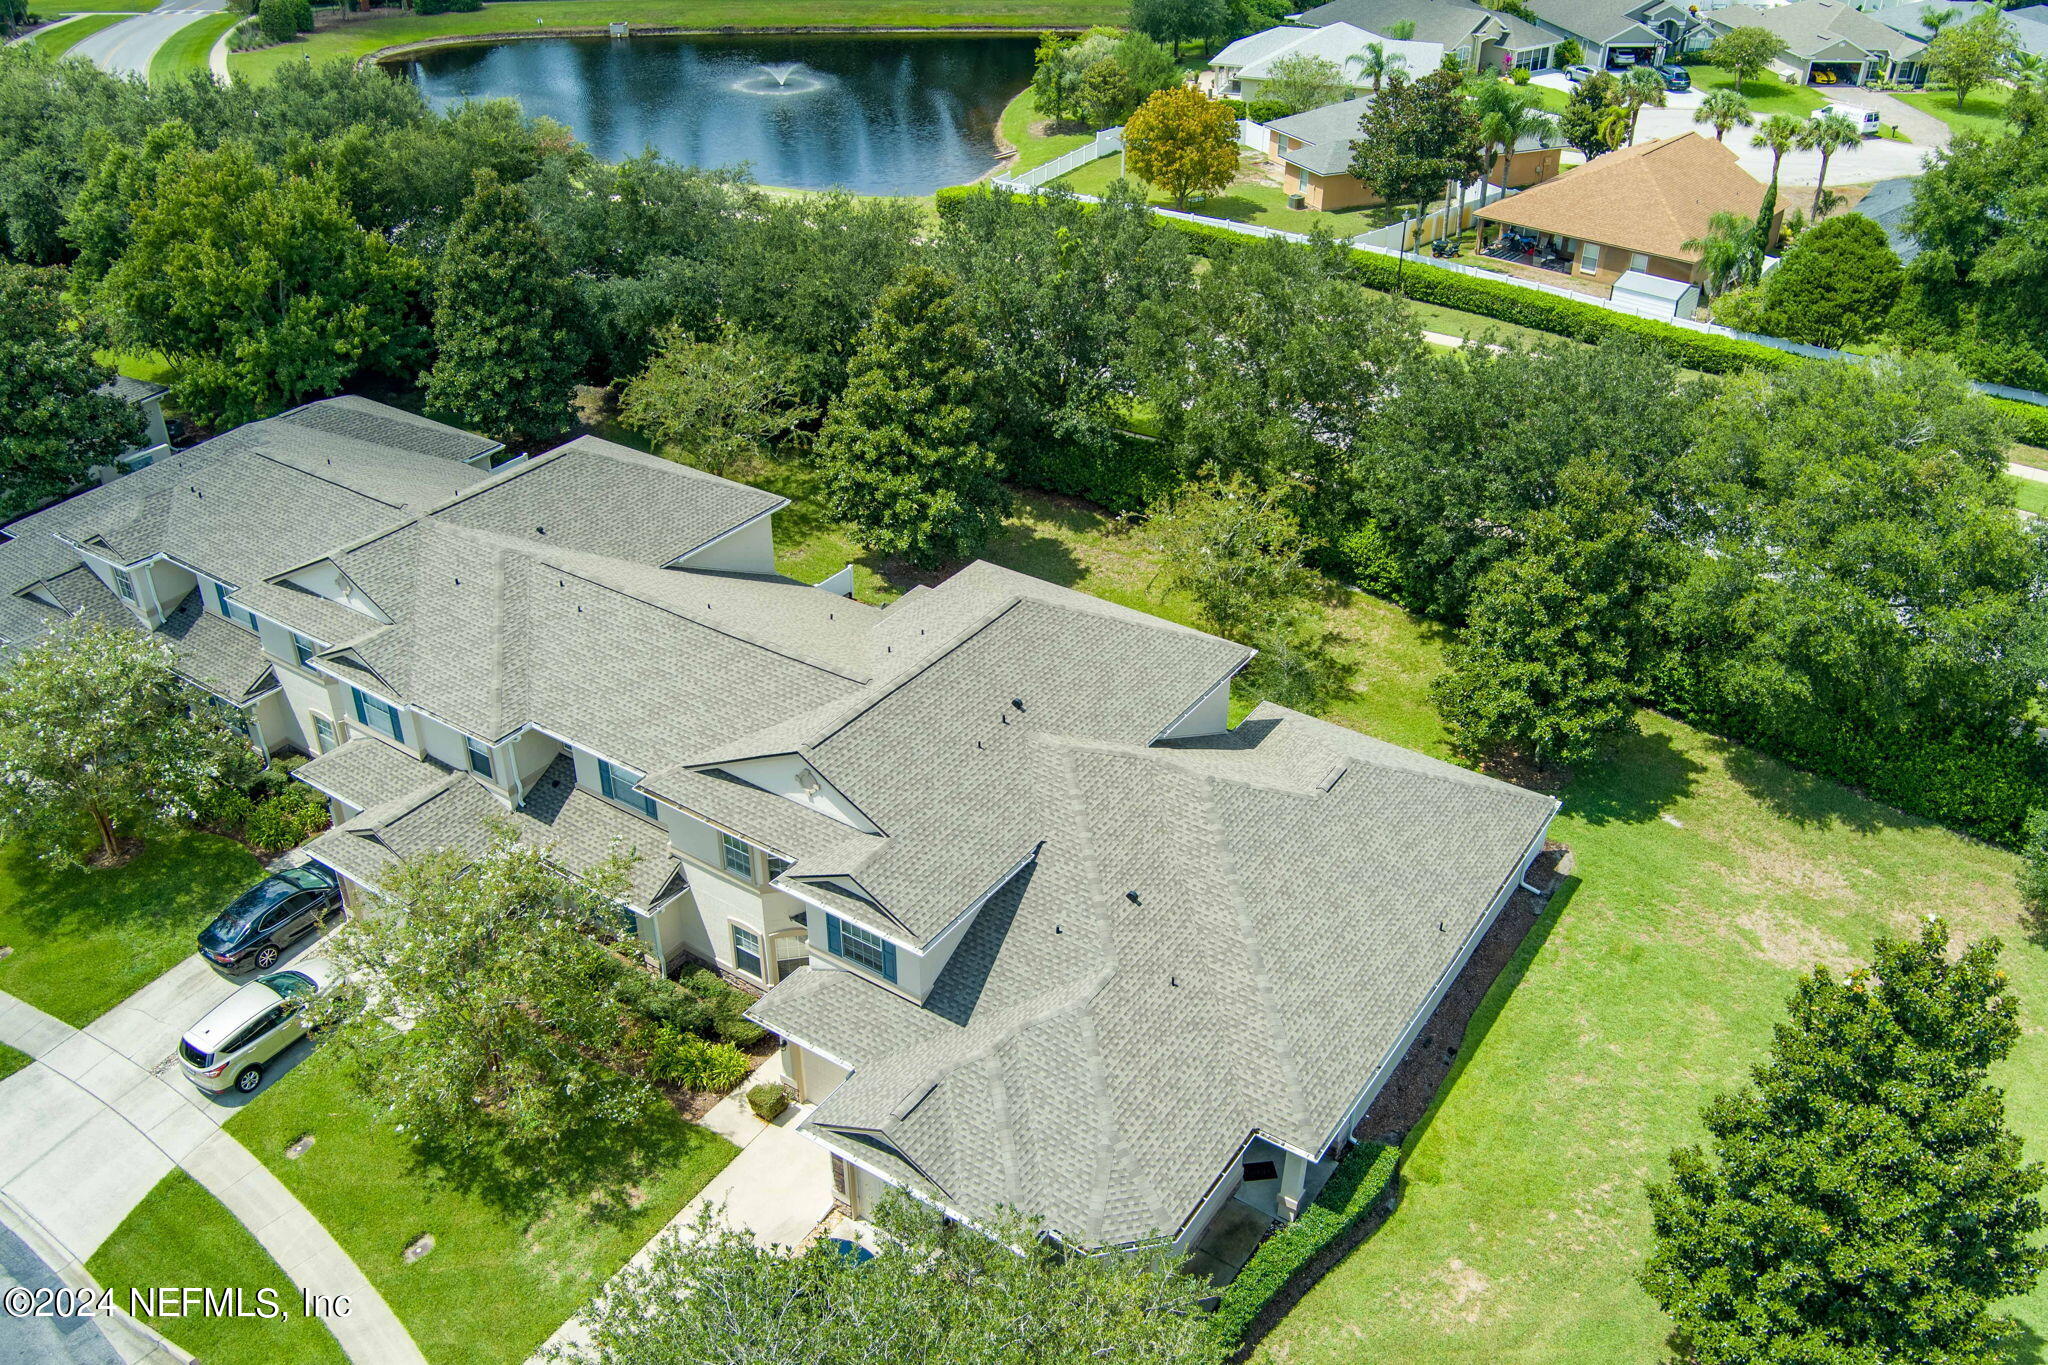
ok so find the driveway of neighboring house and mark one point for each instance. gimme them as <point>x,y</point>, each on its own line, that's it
<point>104,1113</point>
<point>127,48</point>
<point>1876,159</point>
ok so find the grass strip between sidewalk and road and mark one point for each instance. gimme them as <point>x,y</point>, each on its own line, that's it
<point>359,38</point>
<point>12,1061</point>
<point>181,1235</point>
<point>190,47</point>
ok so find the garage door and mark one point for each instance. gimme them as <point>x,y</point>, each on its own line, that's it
<point>1836,73</point>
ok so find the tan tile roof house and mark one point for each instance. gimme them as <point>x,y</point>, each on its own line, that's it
<point>1635,208</point>
<point>1038,925</point>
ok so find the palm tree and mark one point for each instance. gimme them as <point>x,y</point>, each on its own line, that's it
<point>1508,113</point>
<point>1828,134</point>
<point>1376,64</point>
<point>1639,87</point>
<point>1778,134</point>
<point>2028,69</point>
<point>1724,109</point>
<point>1613,125</point>
<point>1731,254</point>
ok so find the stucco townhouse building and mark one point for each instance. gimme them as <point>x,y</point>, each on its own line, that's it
<point>1039,926</point>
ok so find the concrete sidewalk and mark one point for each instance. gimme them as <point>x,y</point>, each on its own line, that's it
<point>779,1188</point>
<point>104,1113</point>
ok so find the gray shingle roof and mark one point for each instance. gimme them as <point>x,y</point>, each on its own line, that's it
<point>1811,26</point>
<point>132,390</point>
<point>1282,939</point>
<point>367,773</point>
<point>1449,22</point>
<point>604,498</point>
<point>1888,204</point>
<point>447,810</point>
<point>375,424</point>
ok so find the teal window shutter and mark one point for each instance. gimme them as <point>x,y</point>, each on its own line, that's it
<point>888,960</point>
<point>832,935</point>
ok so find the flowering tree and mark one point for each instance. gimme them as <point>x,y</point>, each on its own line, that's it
<point>96,725</point>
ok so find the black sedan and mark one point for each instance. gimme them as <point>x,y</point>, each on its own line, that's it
<point>268,917</point>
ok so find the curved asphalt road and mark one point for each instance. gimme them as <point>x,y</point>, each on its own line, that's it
<point>128,47</point>
<point>29,1340</point>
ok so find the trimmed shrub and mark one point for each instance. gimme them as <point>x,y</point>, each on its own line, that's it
<point>1356,1185</point>
<point>2029,420</point>
<point>287,819</point>
<point>767,1101</point>
<point>695,1064</point>
<point>1265,111</point>
<point>724,1006</point>
<point>279,19</point>
<point>446,6</point>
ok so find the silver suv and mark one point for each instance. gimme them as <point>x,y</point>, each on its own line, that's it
<point>229,1047</point>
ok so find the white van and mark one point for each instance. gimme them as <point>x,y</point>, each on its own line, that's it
<point>1866,120</point>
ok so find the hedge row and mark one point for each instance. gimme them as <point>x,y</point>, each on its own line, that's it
<point>1356,1185</point>
<point>1504,302</point>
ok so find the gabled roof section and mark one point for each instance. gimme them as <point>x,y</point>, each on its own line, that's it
<point>1653,197</point>
<point>1212,929</point>
<point>448,810</point>
<point>603,498</point>
<point>1449,22</point>
<point>367,773</point>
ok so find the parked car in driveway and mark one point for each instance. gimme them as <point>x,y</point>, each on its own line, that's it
<point>228,1049</point>
<point>1675,76</point>
<point>1578,75</point>
<point>271,915</point>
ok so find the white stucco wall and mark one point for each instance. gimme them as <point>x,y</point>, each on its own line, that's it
<point>529,755</point>
<point>1209,716</point>
<point>325,580</point>
<point>750,549</point>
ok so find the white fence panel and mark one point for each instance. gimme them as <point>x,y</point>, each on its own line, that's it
<point>1253,135</point>
<point>1108,142</point>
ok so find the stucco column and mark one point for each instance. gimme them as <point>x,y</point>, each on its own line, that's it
<point>1293,1176</point>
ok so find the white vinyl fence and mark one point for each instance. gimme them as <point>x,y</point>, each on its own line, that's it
<point>1108,142</point>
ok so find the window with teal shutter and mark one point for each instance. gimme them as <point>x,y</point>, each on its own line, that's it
<point>860,947</point>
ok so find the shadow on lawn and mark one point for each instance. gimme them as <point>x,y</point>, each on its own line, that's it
<point>179,877</point>
<point>2022,1346</point>
<point>1810,802</point>
<point>598,1164</point>
<point>1645,775</point>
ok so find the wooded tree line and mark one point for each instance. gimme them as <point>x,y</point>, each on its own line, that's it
<point>1823,562</point>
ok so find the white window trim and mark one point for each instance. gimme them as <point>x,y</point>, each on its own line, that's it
<point>734,928</point>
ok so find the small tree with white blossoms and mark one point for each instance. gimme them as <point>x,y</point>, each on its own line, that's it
<point>96,726</point>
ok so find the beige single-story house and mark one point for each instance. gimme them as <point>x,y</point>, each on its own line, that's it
<point>1830,42</point>
<point>1315,147</point>
<point>1634,209</point>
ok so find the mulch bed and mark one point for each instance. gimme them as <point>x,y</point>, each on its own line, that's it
<point>1412,1088</point>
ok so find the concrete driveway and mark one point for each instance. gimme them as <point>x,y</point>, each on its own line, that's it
<point>127,48</point>
<point>104,1112</point>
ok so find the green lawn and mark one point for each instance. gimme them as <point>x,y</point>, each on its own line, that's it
<point>497,1283</point>
<point>361,38</point>
<point>1033,149</point>
<point>1706,878</point>
<point>57,41</point>
<point>182,1235</point>
<point>1767,94</point>
<point>2025,454</point>
<point>84,941</point>
<point>1982,112</point>
<point>2030,494</point>
<point>1244,202</point>
<point>188,48</point>
<point>12,1061</point>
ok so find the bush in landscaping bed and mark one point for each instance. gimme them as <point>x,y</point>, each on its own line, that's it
<point>695,1063</point>
<point>447,6</point>
<point>1360,1178</point>
<point>724,1006</point>
<point>286,820</point>
<point>279,19</point>
<point>767,1101</point>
